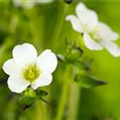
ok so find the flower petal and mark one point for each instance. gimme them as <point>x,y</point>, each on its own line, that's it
<point>81,7</point>
<point>112,48</point>
<point>11,68</point>
<point>90,43</point>
<point>75,23</point>
<point>17,84</point>
<point>47,61</point>
<point>24,54</point>
<point>44,1</point>
<point>87,17</point>
<point>44,80</point>
<point>26,4</point>
<point>105,32</point>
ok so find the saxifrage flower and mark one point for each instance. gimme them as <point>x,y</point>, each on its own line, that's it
<point>26,69</point>
<point>96,34</point>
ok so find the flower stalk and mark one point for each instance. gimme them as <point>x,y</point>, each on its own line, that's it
<point>74,102</point>
<point>59,24</point>
<point>64,95</point>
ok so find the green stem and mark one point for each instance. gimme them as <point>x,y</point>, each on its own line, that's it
<point>37,29</point>
<point>74,100</point>
<point>64,95</point>
<point>40,112</point>
<point>59,24</point>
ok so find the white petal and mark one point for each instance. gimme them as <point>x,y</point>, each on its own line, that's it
<point>29,4</point>
<point>47,61</point>
<point>90,43</point>
<point>105,32</point>
<point>11,68</point>
<point>75,23</point>
<point>112,48</point>
<point>26,4</point>
<point>17,84</point>
<point>17,3</point>
<point>88,17</point>
<point>81,7</point>
<point>44,1</point>
<point>44,80</point>
<point>24,54</point>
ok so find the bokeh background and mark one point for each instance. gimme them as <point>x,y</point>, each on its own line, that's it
<point>44,26</point>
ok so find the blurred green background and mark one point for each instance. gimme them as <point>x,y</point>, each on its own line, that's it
<point>44,26</point>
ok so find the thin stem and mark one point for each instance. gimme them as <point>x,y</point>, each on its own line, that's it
<point>37,29</point>
<point>74,100</point>
<point>59,24</point>
<point>64,96</point>
<point>40,112</point>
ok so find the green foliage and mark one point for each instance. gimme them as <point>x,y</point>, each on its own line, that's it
<point>29,97</point>
<point>46,28</point>
<point>87,81</point>
<point>26,101</point>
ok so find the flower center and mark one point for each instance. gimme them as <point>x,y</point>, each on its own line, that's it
<point>31,73</point>
<point>84,27</point>
<point>95,35</point>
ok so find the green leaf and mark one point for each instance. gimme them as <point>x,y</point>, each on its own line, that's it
<point>87,81</point>
<point>44,100</point>
<point>61,58</point>
<point>29,92</point>
<point>79,65</point>
<point>76,53</point>
<point>41,92</point>
<point>26,101</point>
<point>88,64</point>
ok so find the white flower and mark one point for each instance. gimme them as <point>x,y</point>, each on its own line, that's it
<point>27,69</point>
<point>29,3</point>
<point>96,35</point>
